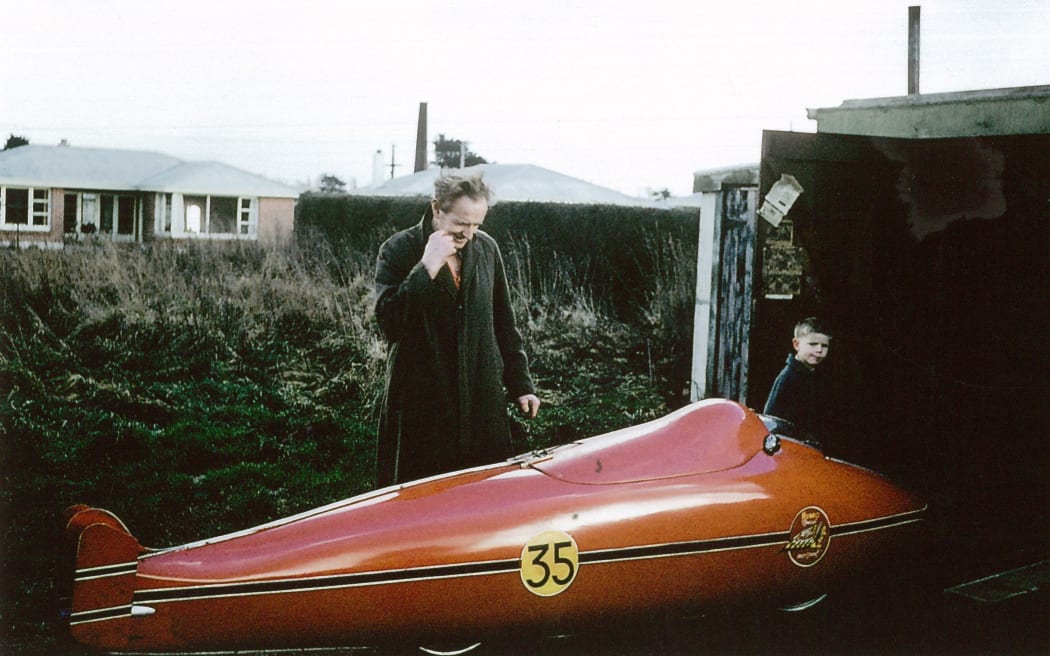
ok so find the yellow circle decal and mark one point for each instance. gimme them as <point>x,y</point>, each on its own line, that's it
<point>809,537</point>
<point>549,563</point>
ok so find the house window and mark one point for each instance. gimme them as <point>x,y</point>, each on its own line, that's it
<point>222,219</point>
<point>89,213</point>
<point>125,216</point>
<point>41,207</point>
<point>246,219</point>
<point>107,208</point>
<point>163,207</point>
<point>221,215</point>
<point>70,211</point>
<point>25,207</point>
<point>196,211</point>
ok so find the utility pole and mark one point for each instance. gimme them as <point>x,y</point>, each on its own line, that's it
<point>913,50</point>
<point>393,161</point>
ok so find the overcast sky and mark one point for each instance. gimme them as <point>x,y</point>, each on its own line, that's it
<point>628,95</point>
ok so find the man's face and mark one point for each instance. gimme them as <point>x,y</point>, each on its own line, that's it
<point>811,349</point>
<point>462,220</point>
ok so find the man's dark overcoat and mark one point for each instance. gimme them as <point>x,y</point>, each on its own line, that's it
<point>451,354</point>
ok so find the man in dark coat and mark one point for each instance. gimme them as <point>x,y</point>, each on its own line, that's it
<point>455,354</point>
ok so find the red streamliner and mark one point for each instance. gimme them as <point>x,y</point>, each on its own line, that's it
<point>701,508</point>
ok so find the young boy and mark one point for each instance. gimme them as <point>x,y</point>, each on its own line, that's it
<point>800,392</point>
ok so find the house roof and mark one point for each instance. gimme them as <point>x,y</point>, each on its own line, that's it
<point>130,170</point>
<point>513,182</point>
<point>214,178</point>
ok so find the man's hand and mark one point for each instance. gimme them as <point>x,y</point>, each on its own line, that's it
<point>529,405</point>
<point>440,247</point>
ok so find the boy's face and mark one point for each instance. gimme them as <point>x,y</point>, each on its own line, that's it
<point>812,348</point>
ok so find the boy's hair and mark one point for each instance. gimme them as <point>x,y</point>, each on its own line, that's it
<point>810,325</point>
<point>451,186</point>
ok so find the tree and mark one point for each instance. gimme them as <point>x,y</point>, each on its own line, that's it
<point>15,142</point>
<point>448,153</point>
<point>332,185</point>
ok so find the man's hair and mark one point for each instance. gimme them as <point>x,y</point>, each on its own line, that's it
<point>811,325</point>
<point>453,185</point>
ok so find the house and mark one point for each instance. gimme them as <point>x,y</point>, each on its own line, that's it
<point>51,195</point>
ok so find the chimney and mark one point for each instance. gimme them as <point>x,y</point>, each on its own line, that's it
<point>377,168</point>
<point>421,139</point>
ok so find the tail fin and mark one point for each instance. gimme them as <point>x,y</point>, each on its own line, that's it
<point>102,557</point>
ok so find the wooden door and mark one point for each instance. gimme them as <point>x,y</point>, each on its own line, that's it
<point>732,280</point>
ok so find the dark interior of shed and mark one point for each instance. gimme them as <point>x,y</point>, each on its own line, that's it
<point>930,259</point>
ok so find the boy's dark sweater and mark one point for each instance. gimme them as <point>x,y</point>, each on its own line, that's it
<point>798,395</point>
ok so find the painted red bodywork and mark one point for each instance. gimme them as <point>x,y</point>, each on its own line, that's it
<point>688,511</point>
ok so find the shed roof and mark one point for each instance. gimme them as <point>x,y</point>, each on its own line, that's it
<point>979,113</point>
<point>1040,93</point>
<point>112,169</point>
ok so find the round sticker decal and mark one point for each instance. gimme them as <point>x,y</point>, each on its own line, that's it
<point>809,537</point>
<point>549,562</point>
